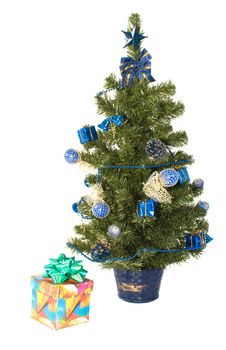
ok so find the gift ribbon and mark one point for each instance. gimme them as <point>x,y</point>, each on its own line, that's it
<point>115,119</point>
<point>63,269</point>
<point>131,68</point>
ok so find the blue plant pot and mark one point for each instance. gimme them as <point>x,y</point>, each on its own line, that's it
<point>138,286</point>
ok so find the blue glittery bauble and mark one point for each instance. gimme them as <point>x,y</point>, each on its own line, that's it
<point>100,210</point>
<point>75,207</point>
<point>114,231</point>
<point>169,177</point>
<point>155,149</point>
<point>198,184</point>
<point>71,156</point>
<point>204,205</point>
<point>86,182</point>
<point>100,251</point>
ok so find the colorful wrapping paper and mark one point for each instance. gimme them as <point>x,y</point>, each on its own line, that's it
<point>60,305</point>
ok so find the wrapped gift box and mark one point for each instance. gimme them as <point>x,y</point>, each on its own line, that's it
<point>87,134</point>
<point>60,305</point>
<point>195,240</point>
<point>146,208</point>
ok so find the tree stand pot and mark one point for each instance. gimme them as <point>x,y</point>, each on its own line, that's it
<point>138,286</point>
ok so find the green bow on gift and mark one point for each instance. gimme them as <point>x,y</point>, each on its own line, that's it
<point>63,269</point>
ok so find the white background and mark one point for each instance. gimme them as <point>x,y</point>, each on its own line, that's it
<point>54,58</point>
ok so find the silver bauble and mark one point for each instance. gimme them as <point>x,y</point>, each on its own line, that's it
<point>114,231</point>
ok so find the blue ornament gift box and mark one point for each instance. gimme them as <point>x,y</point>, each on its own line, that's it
<point>146,208</point>
<point>195,240</point>
<point>87,134</point>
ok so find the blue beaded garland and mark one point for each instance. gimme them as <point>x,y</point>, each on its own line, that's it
<point>100,210</point>
<point>169,177</point>
<point>71,156</point>
<point>203,205</point>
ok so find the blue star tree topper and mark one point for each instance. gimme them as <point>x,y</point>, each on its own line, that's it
<point>134,38</point>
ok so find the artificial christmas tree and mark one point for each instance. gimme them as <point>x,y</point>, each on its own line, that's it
<point>143,211</point>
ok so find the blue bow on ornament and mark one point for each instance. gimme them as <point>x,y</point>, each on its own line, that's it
<point>106,123</point>
<point>131,68</point>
